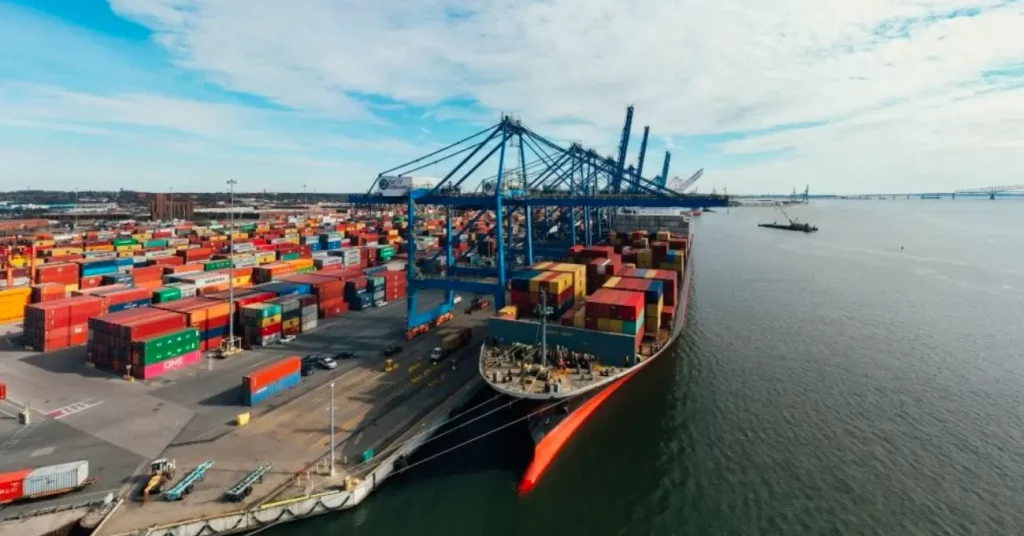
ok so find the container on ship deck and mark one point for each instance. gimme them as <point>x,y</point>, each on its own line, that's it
<point>612,349</point>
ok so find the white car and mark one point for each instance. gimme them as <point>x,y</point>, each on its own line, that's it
<point>327,362</point>
<point>458,299</point>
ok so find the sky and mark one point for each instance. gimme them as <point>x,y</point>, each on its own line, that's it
<point>838,95</point>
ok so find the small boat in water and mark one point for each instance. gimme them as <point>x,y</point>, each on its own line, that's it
<point>791,226</point>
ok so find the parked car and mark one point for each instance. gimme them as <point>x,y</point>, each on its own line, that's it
<point>308,367</point>
<point>327,362</point>
<point>392,350</point>
<point>344,355</point>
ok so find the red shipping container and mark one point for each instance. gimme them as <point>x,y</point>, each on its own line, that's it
<point>92,281</point>
<point>182,268</point>
<point>167,261</point>
<point>264,376</point>
<point>11,485</point>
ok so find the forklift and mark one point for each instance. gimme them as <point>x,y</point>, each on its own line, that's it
<point>161,472</point>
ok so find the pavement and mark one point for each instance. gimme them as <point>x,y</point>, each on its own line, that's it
<point>372,408</point>
<point>80,412</point>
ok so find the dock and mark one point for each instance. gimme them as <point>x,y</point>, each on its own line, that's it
<point>190,416</point>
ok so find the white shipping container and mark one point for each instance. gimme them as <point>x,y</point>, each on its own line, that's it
<point>245,263</point>
<point>202,279</point>
<point>56,478</point>
<point>100,255</point>
<point>319,254</point>
<point>279,241</point>
<point>244,247</point>
<point>159,254</point>
<point>188,290</point>
<point>177,241</point>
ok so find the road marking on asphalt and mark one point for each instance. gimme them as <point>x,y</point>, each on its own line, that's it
<point>42,452</point>
<point>414,366</point>
<point>416,378</point>
<point>71,409</point>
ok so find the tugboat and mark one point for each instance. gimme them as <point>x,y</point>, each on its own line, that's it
<point>793,225</point>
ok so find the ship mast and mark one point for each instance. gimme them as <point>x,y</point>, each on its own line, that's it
<point>543,311</point>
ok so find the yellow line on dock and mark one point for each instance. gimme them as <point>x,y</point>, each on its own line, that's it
<point>416,378</point>
<point>414,366</point>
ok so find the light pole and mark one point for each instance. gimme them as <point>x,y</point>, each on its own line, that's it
<point>231,270</point>
<point>74,228</point>
<point>332,428</point>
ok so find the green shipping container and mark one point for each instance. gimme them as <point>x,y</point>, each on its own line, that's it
<point>166,294</point>
<point>123,242</point>
<point>166,347</point>
<point>159,243</point>
<point>289,256</point>
<point>306,270</point>
<point>218,264</point>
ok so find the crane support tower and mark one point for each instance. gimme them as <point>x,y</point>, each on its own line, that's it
<point>541,199</point>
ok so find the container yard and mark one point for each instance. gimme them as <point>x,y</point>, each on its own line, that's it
<point>157,379</point>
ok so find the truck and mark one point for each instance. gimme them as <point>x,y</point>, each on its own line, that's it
<point>477,304</point>
<point>449,344</point>
<point>47,481</point>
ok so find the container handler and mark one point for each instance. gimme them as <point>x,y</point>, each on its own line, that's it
<point>478,304</point>
<point>161,472</point>
<point>449,344</point>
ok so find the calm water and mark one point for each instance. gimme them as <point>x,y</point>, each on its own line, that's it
<point>827,384</point>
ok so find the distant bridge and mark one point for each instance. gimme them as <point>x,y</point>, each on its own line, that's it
<point>991,190</point>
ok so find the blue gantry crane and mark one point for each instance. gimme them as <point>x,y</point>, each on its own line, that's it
<point>543,198</point>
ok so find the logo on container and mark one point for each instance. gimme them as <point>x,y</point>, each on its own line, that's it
<point>174,363</point>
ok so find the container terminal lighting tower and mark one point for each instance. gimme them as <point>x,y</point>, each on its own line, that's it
<point>544,185</point>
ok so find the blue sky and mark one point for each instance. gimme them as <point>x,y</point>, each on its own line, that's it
<point>183,94</point>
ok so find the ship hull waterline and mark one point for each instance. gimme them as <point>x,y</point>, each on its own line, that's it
<point>550,440</point>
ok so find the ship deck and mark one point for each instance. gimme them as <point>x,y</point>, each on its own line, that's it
<point>516,369</point>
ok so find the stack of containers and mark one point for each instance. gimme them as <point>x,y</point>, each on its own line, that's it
<point>324,262</point>
<point>148,277</point>
<point>291,314</point>
<point>118,297</point>
<point>98,267</point>
<point>668,280</point>
<point>209,317</point>
<point>309,312</point>
<point>194,255</point>
<point>64,274</point>
<point>202,280</point>
<point>349,256</point>
<point>274,270</point>
<point>330,241</point>
<point>395,285</point>
<point>111,335</point>
<point>174,291</point>
<point>329,292</point>
<point>124,264</point>
<point>574,317</point>
<point>303,265</point>
<point>527,287</point>
<point>265,257</point>
<point>616,311</point>
<point>261,324</point>
<point>578,272</point>
<point>356,294</point>
<point>45,292</point>
<point>61,323</point>
<point>652,290</point>
<point>181,269</point>
<point>267,381</point>
<point>156,355</point>
<point>375,286</point>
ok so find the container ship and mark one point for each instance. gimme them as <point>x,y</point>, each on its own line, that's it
<point>577,331</point>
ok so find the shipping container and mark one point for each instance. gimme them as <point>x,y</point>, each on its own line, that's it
<point>169,365</point>
<point>613,349</point>
<point>252,398</point>
<point>268,374</point>
<point>56,478</point>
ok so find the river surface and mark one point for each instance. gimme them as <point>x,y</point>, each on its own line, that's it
<point>867,379</point>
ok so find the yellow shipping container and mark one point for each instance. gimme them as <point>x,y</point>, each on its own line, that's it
<point>577,271</point>
<point>616,326</point>
<point>66,251</point>
<point>100,247</point>
<point>264,257</point>
<point>299,264</point>
<point>242,280</point>
<point>604,324</point>
<point>291,323</point>
<point>13,302</point>
<point>43,244</point>
<point>509,311</point>
<point>68,289</point>
<point>270,321</point>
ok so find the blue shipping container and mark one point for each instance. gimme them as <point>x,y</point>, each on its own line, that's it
<point>314,246</point>
<point>145,302</point>
<point>614,349</point>
<point>124,261</point>
<point>335,244</point>
<point>282,288</point>
<point>251,399</point>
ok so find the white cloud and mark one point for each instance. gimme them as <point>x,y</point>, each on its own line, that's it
<point>691,67</point>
